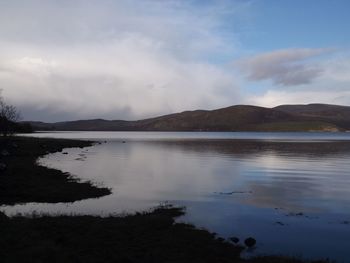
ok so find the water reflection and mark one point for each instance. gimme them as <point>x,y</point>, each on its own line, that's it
<point>289,195</point>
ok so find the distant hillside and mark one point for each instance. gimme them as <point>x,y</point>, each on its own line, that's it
<point>313,117</point>
<point>335,114</point>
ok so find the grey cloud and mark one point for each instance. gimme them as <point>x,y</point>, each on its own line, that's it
<point>172,24</point>
<point>288,67</point>
<point>82,59</point>
<point>291,75</point>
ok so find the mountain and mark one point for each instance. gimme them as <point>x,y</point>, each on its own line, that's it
<point>312,117</point>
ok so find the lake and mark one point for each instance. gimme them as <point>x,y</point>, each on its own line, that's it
<point>290,191</point>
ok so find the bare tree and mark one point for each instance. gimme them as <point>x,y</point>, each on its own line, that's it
<point>9,115</point>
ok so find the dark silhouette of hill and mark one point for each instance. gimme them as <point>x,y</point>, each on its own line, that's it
<point>313,117</point>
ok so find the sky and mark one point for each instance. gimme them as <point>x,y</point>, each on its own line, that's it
<point>133,59</point>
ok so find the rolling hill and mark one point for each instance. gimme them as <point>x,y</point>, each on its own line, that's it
<point>335,114</point>
<point>311,117</point>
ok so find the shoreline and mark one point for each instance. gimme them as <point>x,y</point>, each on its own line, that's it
<point>23,180</point>
<point>152,236</point>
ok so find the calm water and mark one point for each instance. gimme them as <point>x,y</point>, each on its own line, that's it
<point>291,191</point>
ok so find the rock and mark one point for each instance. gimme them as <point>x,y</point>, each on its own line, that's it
<point>234,239</point>
<point>3,166</point>
<point>5,153</point>
<point>250,242</point>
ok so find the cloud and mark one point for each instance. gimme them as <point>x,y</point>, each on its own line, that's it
<point>131,83</point>
<point>113,59</point>
<point>288,67</point>
<point>131,59</point>
<point>332,87</point>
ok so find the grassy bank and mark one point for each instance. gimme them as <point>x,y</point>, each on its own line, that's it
<point>23,180</point>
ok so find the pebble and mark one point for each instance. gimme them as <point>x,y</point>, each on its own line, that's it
<point>250,242</point>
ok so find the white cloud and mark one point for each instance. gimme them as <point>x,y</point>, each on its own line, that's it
<point>92,83</point>
<point>118,59</point>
